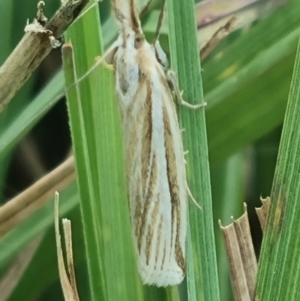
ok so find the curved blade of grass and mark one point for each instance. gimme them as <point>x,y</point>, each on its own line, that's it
<point>202,275</point>
<point>279,272</point>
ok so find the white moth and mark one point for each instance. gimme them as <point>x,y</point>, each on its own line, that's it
<point>155,165</point>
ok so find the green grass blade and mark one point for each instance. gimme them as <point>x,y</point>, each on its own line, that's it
<point>97,140</point>
<point>279,272</point>
<point>79,106</point>
<point>202,275</point>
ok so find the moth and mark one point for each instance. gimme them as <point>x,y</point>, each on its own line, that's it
<point>154,155</point>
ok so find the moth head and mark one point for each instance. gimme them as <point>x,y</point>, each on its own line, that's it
<point>139,40</point>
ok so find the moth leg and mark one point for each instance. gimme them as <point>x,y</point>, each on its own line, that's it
<point>109,52</point>
<point>182,102</point>
<point>171,79</point>
<point>192,198</point>
<point>184,154</point>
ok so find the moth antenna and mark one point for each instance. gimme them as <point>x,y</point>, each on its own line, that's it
<point>118,14</point>
<point>160,21</point>
<point>145,8</point>
<point>159,53</point>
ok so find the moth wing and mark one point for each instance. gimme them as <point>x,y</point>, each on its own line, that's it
<point>156,183</point>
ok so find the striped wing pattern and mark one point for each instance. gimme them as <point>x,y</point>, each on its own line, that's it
<point>154,158</point>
